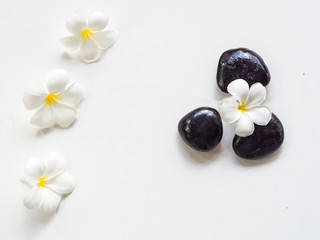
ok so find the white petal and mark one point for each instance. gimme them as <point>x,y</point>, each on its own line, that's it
<point>51,199</point>
<point>33,199</point>
<point>71,43</point>
<point>64,115</point>
<point>98,21</point>
<point>57,80</point>
<point>259,115</point>
<point>89,51</point>
<point>257,95</point>
<point>62,184</point>
<point>28,180</point>
<point>104,39</point>
<point>72,96</point>
<point>35,168</point>
<point>33,99</point>
<point>76,24</point>
<point>230,115</point>
<point>244,126</point>
<point>229,110</point>
<point>239,88</point>
<point>56,164</point>
<point>44,117</point>
<point>229,101</point>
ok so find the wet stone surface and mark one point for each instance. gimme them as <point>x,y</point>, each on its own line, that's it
<point>241,63</point>
<point>201,129</point>
<point>264,140</point>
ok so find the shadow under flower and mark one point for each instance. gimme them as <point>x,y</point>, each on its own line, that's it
<point>70,57</point>
<point>45,131</point>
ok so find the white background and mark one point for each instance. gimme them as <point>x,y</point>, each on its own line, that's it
<point>136,179</point>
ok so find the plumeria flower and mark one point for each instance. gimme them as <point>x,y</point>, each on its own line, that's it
<point>244,107</point>
<point>49,182</point>
<point>89,36</point>
<point>56,103</point>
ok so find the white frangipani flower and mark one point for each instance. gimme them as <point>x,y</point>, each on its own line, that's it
<point>244,107</point>
<point>49,182</point>
<point>56,103</point>
<point>89,36</point>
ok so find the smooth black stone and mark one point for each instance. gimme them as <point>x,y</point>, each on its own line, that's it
<point>241,63</point>
<point>201,129</point>
<point>264,140</point>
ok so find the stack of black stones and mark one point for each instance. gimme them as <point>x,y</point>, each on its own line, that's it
<point>202,130</point>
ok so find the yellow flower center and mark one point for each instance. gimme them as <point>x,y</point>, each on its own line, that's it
<point>42,182</point>
<point>87,33</point>
<point>242,107</point>
<point>51,98</point>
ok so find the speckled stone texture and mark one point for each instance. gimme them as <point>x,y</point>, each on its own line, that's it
<point>264,141</point>
<point>201,129</point>
<point>241,63</point>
